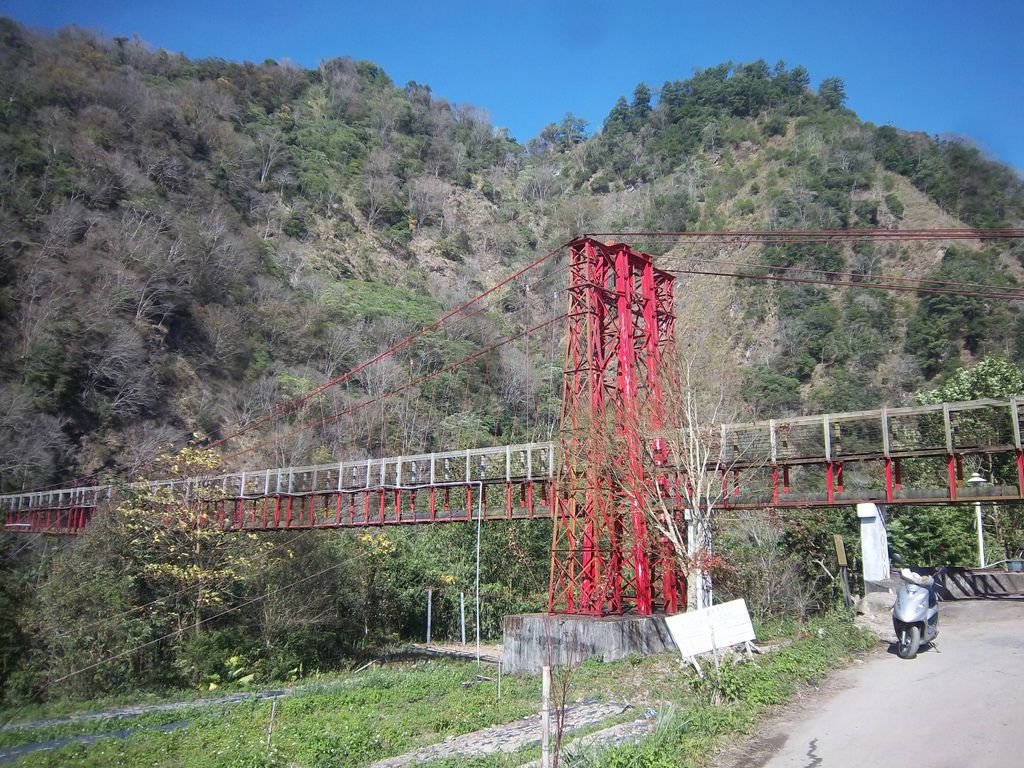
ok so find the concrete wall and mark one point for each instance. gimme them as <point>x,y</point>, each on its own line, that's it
<point>534,640</point>
<point>874,543</point>
<point>966,583</point>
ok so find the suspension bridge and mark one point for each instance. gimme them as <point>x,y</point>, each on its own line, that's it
<point>618,445</point>
<point>794,463</point>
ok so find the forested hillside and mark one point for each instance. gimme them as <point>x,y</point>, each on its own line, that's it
<point>188,245</point>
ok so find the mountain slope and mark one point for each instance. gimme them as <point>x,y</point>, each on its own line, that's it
<point>188,244</point>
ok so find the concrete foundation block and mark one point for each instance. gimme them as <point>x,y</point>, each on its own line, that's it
<point>534,640</point>
<point>968,583</point>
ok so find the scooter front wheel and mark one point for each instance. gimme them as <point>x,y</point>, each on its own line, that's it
<point>908,641</point>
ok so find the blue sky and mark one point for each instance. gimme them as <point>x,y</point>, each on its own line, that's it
<point>939,66</point>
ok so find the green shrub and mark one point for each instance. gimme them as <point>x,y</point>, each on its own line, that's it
<point>455,248</point>
<point>774,126</point>
<point>744,206</point>
<point>867,212</point>
<point>895,205</point>
<point>295,225</point>
<point>601,183</point>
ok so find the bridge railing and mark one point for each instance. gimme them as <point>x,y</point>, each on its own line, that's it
<point>976,426</point>
<point>58,498</point>
<point>801,448</point>
<point>523,462</point>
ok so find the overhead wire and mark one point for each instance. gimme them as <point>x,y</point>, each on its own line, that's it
<point>455,322</point>
<point>855,279</point>
<point>864,279</point>
<point>826,235</point>
<point>397,390</point>
<point>295,403</point>
<point>493,300</point>
<point>853,284</point>
<point>734,237</point>
<point>325,419</point>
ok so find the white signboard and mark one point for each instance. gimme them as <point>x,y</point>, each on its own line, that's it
<point>719,626</point>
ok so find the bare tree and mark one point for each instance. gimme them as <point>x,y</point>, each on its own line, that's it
<point>30,442</point>
<point>762,570</point>
<point>382,376</point>
<point>269,148</point>
<point>121,374</point>
<point>701,393</point>
<point>208,102</point>
<point>542,183</point>
<point>145,445</point>
<point>513,376</point>
<point>427,196</point>
<point>344,86</point>
<point>577,214</point>
<point>224,332</point>
<point>339,350</point>
<point>387,111</point>
<point>42,300</point>
<point>379,186</point>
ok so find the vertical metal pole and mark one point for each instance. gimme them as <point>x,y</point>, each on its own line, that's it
<point>462,615</point>
<point>545,719</point>
<point>430,605</point>
<point>479,520</point>
<point>981,534</point>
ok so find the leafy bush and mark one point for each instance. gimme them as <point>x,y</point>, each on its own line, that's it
<point>295,225</point>
<point>770,392</point>
<point>744,206</point>
<point>359,299</point>
<point>455,248</point>
<point>774,126</point>
<point>894,204</point>
<point>866,212</point>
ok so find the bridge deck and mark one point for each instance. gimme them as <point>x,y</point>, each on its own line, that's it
<point>807,461</point>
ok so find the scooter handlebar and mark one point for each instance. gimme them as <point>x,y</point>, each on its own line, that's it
<point>913,578</point>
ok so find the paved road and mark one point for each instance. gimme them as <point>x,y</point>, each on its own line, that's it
<point>957,705</point>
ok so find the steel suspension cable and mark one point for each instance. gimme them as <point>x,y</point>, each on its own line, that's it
<point>850,284</point>
<point>294,404</point>
<point>858,277</point>
<point>827,235</point>
<point>398,390</point>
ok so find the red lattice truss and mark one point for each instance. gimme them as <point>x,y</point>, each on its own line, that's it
<point>605,557</point>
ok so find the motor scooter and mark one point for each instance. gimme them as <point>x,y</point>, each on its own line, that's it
<point>915,615</point>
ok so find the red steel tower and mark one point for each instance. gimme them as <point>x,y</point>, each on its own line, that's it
<point>605,558</point>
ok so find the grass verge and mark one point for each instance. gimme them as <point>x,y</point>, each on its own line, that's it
<point>354,719</point>
<point>729,702</point>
